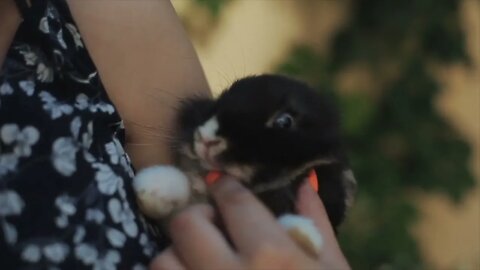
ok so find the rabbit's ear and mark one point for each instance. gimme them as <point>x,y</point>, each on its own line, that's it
<point>350,184</point>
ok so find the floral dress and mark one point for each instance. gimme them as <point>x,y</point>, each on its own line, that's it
<point>66,200</point>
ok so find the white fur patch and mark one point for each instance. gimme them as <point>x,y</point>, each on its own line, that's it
<point>303,231</point>
<point>209,129</point>
<point>243,173</point>
<point>207,144</point>
<point>161,190</point>
<point>350,185</point>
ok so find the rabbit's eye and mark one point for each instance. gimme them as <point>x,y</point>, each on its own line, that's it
<point>284,120</point>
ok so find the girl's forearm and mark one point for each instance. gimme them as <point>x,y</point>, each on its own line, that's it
<point>146,63</point>
<point>9,21</point>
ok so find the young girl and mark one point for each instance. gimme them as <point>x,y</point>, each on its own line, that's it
<point>76,74</point>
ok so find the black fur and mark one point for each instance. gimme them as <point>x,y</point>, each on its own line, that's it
<point>275,153</point>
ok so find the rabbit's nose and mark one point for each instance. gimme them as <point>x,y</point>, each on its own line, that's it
<point>207,133</point>
<point>206,140</point>
<point>210,143</point>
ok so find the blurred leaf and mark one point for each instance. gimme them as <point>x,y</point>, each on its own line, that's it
<point>214,6</point>
<point>357,114</point>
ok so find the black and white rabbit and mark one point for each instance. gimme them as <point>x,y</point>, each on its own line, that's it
<point>268,131</point>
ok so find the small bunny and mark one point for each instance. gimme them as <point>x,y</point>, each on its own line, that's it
<point>270,132</point>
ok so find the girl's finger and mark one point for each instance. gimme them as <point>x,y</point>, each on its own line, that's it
<point>310,205</point>
<point>167,260</point>
<point>251,226</point>
<point>198,242</point>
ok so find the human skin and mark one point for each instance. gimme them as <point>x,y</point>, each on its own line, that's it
<point>147,65</point>
<point>9,21</point>
<point>259,240</point>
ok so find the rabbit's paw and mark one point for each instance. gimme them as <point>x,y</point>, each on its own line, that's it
<point>161,190</point>
<point>303,231</point>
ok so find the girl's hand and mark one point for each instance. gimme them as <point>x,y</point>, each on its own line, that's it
<point>259,240</point>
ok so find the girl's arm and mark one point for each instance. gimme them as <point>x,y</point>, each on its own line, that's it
<point>146,63</point>
<point>9,21</point>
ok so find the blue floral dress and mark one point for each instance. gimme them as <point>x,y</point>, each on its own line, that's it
<point>66,200</point>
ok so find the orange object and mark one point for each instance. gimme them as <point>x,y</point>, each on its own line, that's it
<point>213,177</point>
<point>313,180</point>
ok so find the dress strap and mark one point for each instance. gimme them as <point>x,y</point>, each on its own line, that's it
<point>24,7</point>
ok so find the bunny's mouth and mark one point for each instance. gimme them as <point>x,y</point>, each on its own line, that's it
<point>208,153</point>
<point>207,145</point>
<point>207,158</point>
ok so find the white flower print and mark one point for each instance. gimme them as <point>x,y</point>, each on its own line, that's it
<point>66,205</point>
<point>67,208</point>
<point>61,221</point>
<point>80,233</point>
<point>148,247</point>
<point>27,86</point>
<point>88,157</point>
<point>10,203</point>
<point>43,26</point>
<point>139,267</point>
<point>107,181</point>
<point>9,133</point>
<point>126,163</point>
<point>87,137</point>
<point>56,252</point>
<point>8,162</point>
<point>129,225</point>
<point>31,253</point>
<point>52,12</point>
<point>113,152</point>
<point>6,89</point>
<point>30,57</point>
<point>86,253</point>
<point>95,215</point>
<point>115,209</point>
<point>143,239</point>
<point>44,73</point>
<point>116,237</point>
<point>75,126</point>
<point>58,58</point>
<point>64,151</point>
<point>86,80</point>
<point>24,139</point>
<point>103,107</point>
<point>60,39</point>
<point>81,101</point>
<point>117,154</point>
<point>123,215</point>
<point>87,229</point>
<point>56,108</point>
<point>76,36</point>
<point>108,262</point>
<point>9,232</point>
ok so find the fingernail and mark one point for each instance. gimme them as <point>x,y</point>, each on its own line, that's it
<point>306,187</point>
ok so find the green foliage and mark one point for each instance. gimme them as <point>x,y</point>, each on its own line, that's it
<point>398,140</point>
<point>214,6</point>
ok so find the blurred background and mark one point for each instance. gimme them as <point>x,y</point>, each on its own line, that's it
<point>406,75</point>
